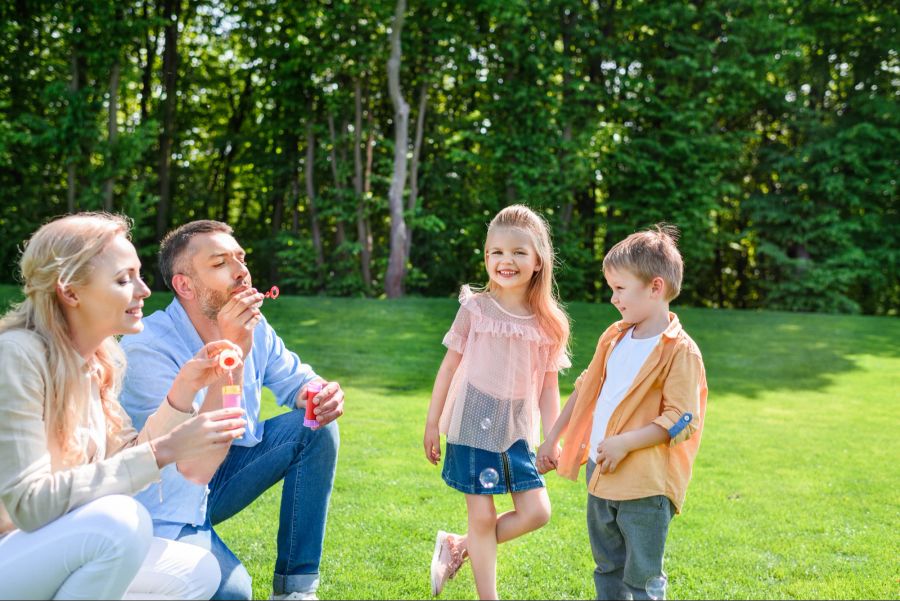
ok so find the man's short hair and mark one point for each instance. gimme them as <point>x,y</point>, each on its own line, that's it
<point>650,254</point>
<point>173,245</point>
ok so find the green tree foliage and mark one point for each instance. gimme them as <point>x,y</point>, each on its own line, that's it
<point>766,130</point>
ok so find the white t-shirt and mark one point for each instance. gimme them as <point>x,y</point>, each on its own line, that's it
<point>623,366</point>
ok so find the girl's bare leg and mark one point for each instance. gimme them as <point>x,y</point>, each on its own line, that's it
<point>532,510</point>
<point>481,543</point>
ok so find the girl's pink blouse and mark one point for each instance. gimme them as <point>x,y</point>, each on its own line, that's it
<point>493,397</point>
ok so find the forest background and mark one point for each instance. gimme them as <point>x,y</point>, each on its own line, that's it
<point>360,148</point>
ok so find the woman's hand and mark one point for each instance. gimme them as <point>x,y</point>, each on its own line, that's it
<point>199,436</point>
<point>201,371</point>
<point>432,444</point>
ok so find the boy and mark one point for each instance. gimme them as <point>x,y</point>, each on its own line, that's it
<point>636,416</point>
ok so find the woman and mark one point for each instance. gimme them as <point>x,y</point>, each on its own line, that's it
<point>70,457</point>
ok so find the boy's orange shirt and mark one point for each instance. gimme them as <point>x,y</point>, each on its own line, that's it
<point>671,382</point>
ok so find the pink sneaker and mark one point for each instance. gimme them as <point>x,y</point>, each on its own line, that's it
<point>448,557</point>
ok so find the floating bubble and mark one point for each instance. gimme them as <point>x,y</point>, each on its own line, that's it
<point>486,423</point>
<point>656,587</point>
<point>489,477</point>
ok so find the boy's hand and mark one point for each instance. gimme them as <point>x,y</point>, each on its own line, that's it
<point>610,452</point>
<point>432,444</point>
<point>547,457</point>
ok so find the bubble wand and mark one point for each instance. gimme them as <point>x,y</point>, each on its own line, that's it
<point>231,392</point>
<point>228,360</point>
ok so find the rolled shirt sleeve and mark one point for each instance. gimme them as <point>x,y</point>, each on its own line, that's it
<point>681,396</point>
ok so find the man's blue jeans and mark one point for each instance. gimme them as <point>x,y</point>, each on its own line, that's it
<point>305,459</point>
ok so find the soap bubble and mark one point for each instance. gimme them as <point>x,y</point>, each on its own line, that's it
<point>486,423</point>
<point>489,477</point>
<point>656,587</point>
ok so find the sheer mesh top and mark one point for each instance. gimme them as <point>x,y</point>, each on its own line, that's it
<point>493,397</point>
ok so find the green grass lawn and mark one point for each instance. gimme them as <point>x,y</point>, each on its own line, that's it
<point>796,490</point>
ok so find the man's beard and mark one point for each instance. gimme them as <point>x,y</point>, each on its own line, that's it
<point>211,302</point>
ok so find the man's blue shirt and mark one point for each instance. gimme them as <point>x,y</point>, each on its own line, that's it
<point>155,356</point>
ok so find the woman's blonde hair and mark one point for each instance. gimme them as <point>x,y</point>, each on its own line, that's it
<point>542,294</point>
<point>58,255</point>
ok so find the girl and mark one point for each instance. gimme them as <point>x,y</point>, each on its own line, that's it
<point>68,527</point>
<point>505,350</point>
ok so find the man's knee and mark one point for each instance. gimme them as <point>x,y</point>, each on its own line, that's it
<point>322,442</point>
<point>328,439</point>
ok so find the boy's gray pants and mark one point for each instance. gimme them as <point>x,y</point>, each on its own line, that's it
<point>628,539</point>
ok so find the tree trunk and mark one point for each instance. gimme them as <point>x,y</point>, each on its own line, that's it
<point>295,199</point>
<point>282,181</point>
<point>396,271</point>
<point>414,166</point>
<point>113,134</point>
<point>365,259</point>
<point>147,74</point>
<point>367,180</point>
<point>340,235</point>
<point>171,13</point>
<point>311,197</point>
<point>230,149</point>
<point>744,274</point>
<point>71,183</point>
<point>566,217</point>
<point>19,82</point>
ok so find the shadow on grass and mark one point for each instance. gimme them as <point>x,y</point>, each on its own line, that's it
<point>395,346</point>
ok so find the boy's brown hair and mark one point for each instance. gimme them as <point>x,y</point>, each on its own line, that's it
<point>649,254</point>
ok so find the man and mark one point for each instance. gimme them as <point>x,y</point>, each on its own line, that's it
<point>214,299</point>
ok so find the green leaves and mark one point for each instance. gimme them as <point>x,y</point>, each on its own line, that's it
<point>762,129</point>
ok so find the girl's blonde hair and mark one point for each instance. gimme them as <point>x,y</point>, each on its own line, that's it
<point>58,255</point>
<point>542,294</point>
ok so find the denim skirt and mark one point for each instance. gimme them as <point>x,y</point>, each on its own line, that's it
<point>479,472</point>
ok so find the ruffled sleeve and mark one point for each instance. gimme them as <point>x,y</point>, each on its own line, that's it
<point>560,362</point>
<point>469,313</point>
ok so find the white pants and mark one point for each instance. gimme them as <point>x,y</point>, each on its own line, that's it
<point>103,550</point>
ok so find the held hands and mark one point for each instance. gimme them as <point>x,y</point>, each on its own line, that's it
<point>432,444</point>
<point>239,316</point>
<point>329,403</point>
<point>547,456</point>
<point>610,452</point>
